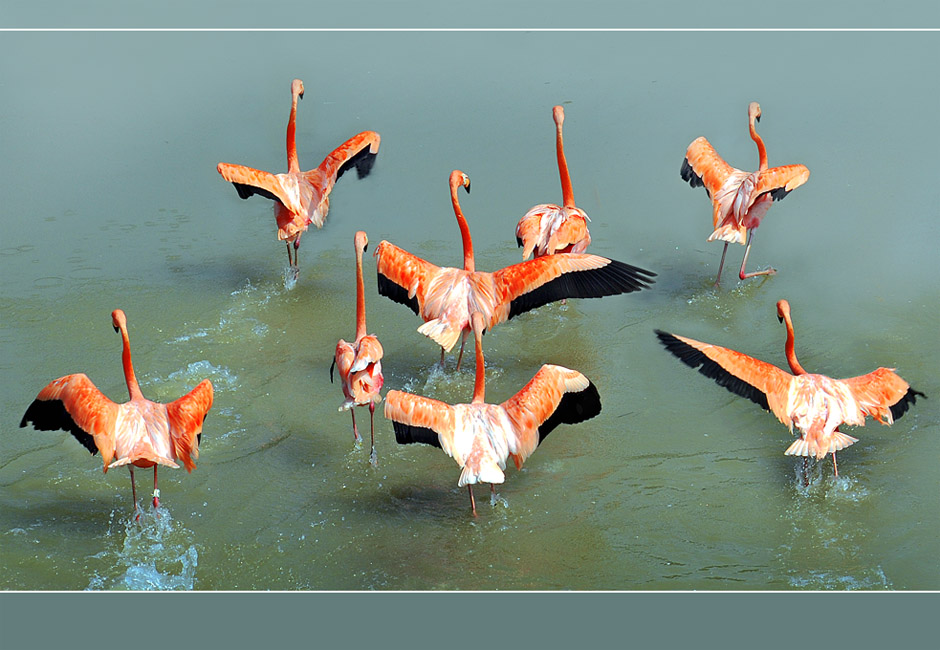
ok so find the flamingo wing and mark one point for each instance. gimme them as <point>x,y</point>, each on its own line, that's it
<point>74,404</point>
<point>536,282</point>
<point>763,383</point>
<point>342,360</point>
<point>703,167</point>
<point>358,151</point>
<point>249,181</point>
<point>403,277</point>
<point>368,351</point>
<point>421,419</point>
<point>780,181</point>
<point>882,394</point>
<point>555,395</point>
<point>185,417</point>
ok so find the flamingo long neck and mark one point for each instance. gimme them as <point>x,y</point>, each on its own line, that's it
<point>293,165</point>
<point>133,388</point>
<point>468,264</point>
<point>360,298</point>
<point>759,141</point>
<point>566,192</point>
<point>791,352</point>
<point>479,387</point>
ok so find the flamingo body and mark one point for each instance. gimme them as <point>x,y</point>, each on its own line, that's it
<point>445,297</point>
<point>740,199</point>
<point>139,432</point>
<point>303,198</point>
<point>481,437</point>
<point>548,229</point>
<point>815,404</point>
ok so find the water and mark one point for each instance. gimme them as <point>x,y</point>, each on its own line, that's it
<point>112,200</point>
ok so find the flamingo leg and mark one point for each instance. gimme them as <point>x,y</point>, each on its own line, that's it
<point>296,250</point>
<point>356,436</point>
<point>463,339</point>
<point>290,261</point>
<point>473,503</point>
<point>373,457</point>
<point>156,492</point>
<point>134,492</point>
<point>835,466</point>
<point>747,250</point>
<point>722,264</point>
<point>442,357</point>
<point>492,494</point>
<point>805,471</point>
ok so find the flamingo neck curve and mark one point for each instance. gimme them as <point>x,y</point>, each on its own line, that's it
<point>360,297</point>
<point>479,385</point>
<point>566,192</point>
<point>759,141</point>
<point>293,164</point>
<point>133,388</point>
<point>468,264</point>
<point>791,352</point>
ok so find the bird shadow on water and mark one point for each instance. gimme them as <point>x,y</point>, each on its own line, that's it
<point>155,552</point>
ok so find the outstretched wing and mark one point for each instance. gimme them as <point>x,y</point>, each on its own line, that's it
<point>249,181</point>
<point>74,404</point>
<point>420,419</point>
<point>403,277</point>
<point>780,181</point>
<point>703,167</point>
<point>359,152</point>
<point>555,395</point>
<point>882,394</point>
<point>763,383</point>
<point>185,417</point>
<point>522,287</point>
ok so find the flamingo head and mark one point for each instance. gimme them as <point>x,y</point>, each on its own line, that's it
<point>753,111</point>
<point>297,88</point>
<point>361,242</point>
<point>118,320</point>
<point>558,113</point>
<point>783,310</point>
<point>458,178</point>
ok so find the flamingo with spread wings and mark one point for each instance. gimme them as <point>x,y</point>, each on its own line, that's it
<point>360,363</point>
<point>445,297</point>
<point>301,198</point>
<point>815,403</point>
<point>740,199</point>
<point>138,432</point>
<point>480,437</point>
<point>548,229</point>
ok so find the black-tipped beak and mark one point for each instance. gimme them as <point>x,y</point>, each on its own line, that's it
<point>301,95</point>
<point>332,365</point>
<point>779,318</point>
<point>116,328</point>
<point>468,187</point>
<point>758,118</point>
<point>364,250</point>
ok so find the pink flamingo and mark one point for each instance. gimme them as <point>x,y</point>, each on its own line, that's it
<point>739,199</point>
<point>360,363</point>
<point>138,432</point>
<point>301,198</point>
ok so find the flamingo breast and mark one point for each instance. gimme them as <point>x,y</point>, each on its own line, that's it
<point>142,435</point>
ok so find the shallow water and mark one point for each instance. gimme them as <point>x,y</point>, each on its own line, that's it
<point>110,143</point>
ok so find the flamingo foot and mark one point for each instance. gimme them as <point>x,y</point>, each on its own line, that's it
<point>767,271</point>
<point>493,498</point>
<point>473,503</point>
<point>291,274</point>
<point>156,499</point>
<point>374,458</point>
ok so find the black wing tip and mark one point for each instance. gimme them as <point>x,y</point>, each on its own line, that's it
<point>363,161</point>
<point>519,242</point>
<point>688,174</point>
<point>900,407</point>
<point>406,434</point>
<point>574,407</point>
<point>396,293</point>
<point>611,279</point>
<point>779,194</point>
<point>51,415</point>
<point>695,358</point>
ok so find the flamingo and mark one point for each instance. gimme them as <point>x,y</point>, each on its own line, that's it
<point>360,362</point>
<point>138,432</point>
<point>301,198</point>
<point>815,403</point>
<point>739,199</point>
<point>548,229</point>
<point>480,436</point>
<point>445,297</point>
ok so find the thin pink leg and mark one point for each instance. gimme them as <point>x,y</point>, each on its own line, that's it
<point>747,250</point>
<point>835,466</point>
<point>473,503</point>
<point>722,264</point>
<point>156,492</point>
<point>134,492</point>
<point>356,436</point>
<point>463,339</point>
<point>373,457</point>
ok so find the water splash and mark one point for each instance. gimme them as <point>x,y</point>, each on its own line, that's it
<point>157,553</point>
<point>291,274</point>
